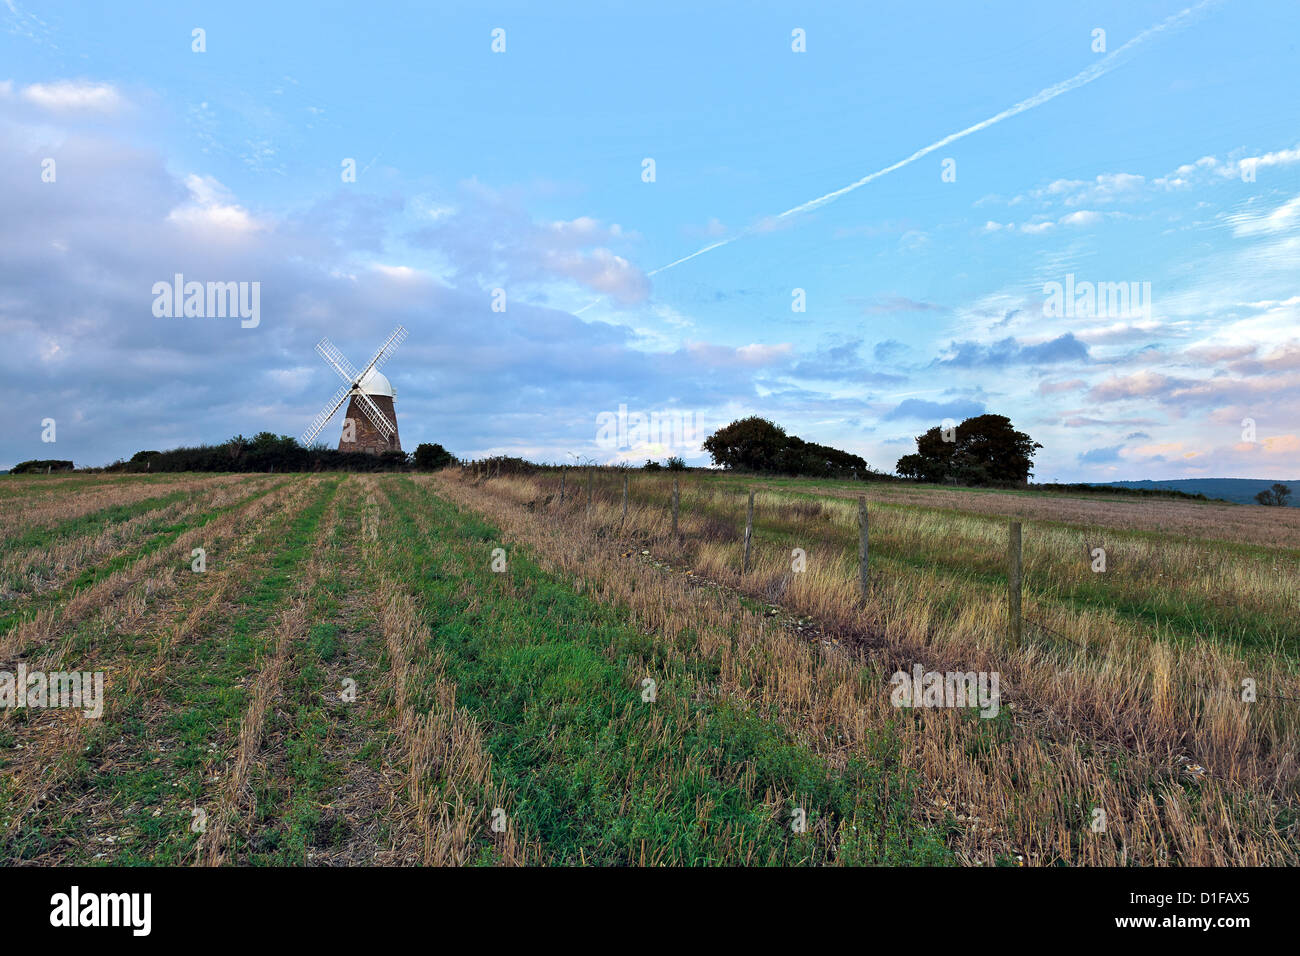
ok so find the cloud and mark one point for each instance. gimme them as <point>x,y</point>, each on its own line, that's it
<point>69,96</point>
<point>887,350</point>
<point>710,230</point>
<point>898,303</point>
<point>843,362</point>
<point>920,409</point>
<point>1084,217</point>
<point>601,271</point>
<point>747,356</point>
<point>1009,351</point>
<point>486,237</point>
<point>1099,456</point>
<point>1139,385</point>
<point>1209,169</point>
<point>212,209</point>
<point>1054,388</point>
<point>1283,218</point>
<point>1039,225</point>
<point>1213,353</point>
<point>1106,188</point>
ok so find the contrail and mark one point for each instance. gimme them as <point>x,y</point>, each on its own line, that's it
<point>1082,78</point>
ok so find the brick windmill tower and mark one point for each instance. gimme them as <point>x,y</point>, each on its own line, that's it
<point>370,423</point>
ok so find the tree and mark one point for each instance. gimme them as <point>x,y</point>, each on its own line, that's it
<point>984,450</point>
<point>800,457</point>
<point>751,443</point>
<point>1275,496</point>
<point>756,444</point>
<point>676,463</point>
<point>431,457</point>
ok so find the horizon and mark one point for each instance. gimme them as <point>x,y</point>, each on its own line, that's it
<point>857,228</point>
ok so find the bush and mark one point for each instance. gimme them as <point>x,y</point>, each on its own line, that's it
<point>1275,496</point>
<point>432,457</point>
<point>40,466</point>
<point>264,452</point>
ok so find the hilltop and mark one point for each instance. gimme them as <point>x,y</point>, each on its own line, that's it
<point>1239,490</point>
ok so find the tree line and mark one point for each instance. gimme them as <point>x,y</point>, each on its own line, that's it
<point>267,451</point>
<point>984,450</point>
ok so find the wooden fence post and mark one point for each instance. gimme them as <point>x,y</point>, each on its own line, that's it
<point>1013,583</point>
<point>675,502</point>
<point>561,484</point>
<point>749,530</point>
<point>625,477</point>
<point>588,489</point>
<point>862,545</point>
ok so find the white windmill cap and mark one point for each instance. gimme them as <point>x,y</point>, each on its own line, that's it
<point>376,383</point>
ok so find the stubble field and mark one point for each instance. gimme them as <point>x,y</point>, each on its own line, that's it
<point>452,669</point>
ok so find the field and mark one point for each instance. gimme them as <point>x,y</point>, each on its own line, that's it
<point>451,669</point>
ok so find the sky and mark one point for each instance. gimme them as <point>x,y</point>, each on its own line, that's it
<point>857,222</point>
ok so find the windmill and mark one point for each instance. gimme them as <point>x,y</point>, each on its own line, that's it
<point>370,424</point>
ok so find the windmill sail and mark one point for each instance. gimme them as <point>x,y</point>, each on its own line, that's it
<point>385,351</point>
<point>322,418</point>
<point>336,360</point>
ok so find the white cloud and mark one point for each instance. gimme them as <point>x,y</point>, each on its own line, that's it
<point>584,231</point>
<point>212,207</point>
<point>602,271</point>
<point>1084,217</point>
<point>1284,217</point>
<point>65,96</point>
<point>1208,168</point>
<point>749,356</point>
<point>401,273</point>
<point>1108,187</point>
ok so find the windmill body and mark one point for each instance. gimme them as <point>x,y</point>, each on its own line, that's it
<point>363,434</point>
<point>370,422</point>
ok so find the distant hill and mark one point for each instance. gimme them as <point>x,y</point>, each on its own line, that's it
<point>1240,490</point>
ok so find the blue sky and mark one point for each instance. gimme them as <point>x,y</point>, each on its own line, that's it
<point>1176,163</point>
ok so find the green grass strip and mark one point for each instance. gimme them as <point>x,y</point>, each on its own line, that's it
<point>554,679</point>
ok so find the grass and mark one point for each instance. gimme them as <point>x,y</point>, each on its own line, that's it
<point>601,775</point>
<point>618,695</point>
<point>1097,680</point>
<point>165,745</point>
<point>154,538</point>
